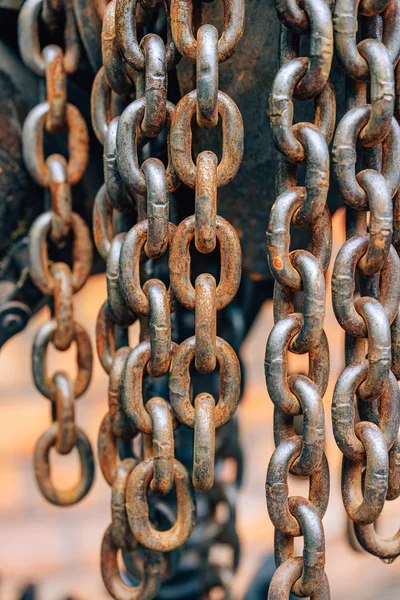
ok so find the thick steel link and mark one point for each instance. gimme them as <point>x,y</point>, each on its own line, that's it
<point>365,408</point>
<point>57,279</point>
<point>137,70</point>
<point>300,270</point>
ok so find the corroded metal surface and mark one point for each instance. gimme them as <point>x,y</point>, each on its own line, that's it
<point>171,419</point>
<point>147,417</point>
<point>300,270</point>
<point>57,279</point>
<point>368,134</point>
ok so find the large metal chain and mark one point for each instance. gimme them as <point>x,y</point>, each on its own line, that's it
<point>58,226</point>
<point>303,78</point>
<point>365,409</point>
<point>140,407</point>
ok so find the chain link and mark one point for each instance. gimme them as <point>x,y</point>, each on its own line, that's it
<point>62,227</point>
<point>151,281</point>
<point>137,71</point>
<point>303,78</point>
<point>369,264</point>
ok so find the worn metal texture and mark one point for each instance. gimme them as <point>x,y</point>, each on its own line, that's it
<point>303,270</point>
<point>165,426</point>
<point>20,92</point>
<point>368,263</point>
<point>57,280</point>
<point>247,77</point>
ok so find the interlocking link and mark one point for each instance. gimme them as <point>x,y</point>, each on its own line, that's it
<point>65,228</point>
<point>128,189</point>
<point>300,270</point>
<point>156,396</point>
<point>137,182</point>
<point>365,408</point>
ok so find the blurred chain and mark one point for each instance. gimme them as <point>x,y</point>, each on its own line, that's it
<point>303,78</point>
<point>62,227</point>
<point>136,441</point>
<point>368,433</point>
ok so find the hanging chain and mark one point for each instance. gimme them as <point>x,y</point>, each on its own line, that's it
<point>141,410</point>
<point>368,134</point>
<point>58,226</point>
<point>303,78</point>
<point>118,202</point>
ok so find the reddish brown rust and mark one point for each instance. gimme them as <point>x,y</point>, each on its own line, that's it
<point>300,271</point>
<point>181,139</point>
<point>204,442</point>
<point>33,151</point>
<point>180,388</point>
<point>148,588</point>
<point>63,309</point>
<point>180,263</point>
<point>43,382</point>
<point>205,323</point>
<point>132,387</point>
<point>182,28</point>
<point>61,199</point>
<point>39,260</point>
<point>138,509</point>
<point>65,412</point>
<point>43,471</point>
<point>206,202</point>
<point>130,268</point>
<point>163,445</point>
<point>132,288</point>
<point>119,77</point>
<point>57,279</point>
<point>56,89</point>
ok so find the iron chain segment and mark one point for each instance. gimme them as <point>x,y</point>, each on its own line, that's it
<point>136,441</point>
<point>370,447</point>
<point>303,78</point>
<point>59,225</point>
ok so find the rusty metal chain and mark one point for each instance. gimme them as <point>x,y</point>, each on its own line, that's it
<point>62,227</point>
<point>365,408</point>
<point>136,441</point>
<point>303,78</point>
<point>115,86</point>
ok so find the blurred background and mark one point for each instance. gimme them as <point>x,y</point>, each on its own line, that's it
<point>57,549</point>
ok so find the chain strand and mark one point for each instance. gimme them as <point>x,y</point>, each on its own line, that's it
<point>63,227</point>
<point>300,270</point>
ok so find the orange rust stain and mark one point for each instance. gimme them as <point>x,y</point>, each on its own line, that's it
<point>278,263</point>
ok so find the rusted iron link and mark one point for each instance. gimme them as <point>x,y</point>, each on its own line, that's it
<point>368,263</point>
<point>301,270</point>
<point>57,279</point>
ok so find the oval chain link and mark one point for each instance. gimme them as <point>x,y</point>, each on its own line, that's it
<point>137,71</point>
<point>365,408</point>
<point>62,227</point>
<point>302,270</point>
